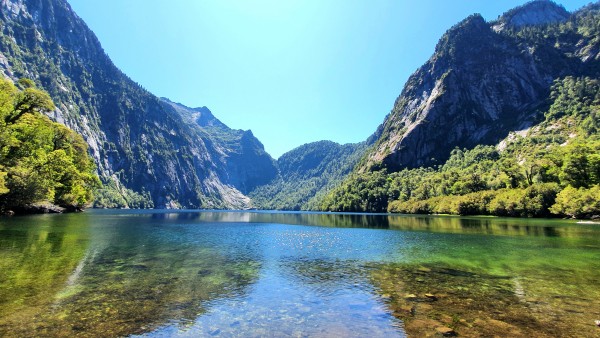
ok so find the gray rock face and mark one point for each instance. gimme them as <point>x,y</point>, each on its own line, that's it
<point>241,157</point>
<point>479,85</point>
<point>139,142</point>
<point>539,12</point>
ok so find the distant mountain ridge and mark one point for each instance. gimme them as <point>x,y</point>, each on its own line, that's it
<point>244,162</point>
<point>307,173</point>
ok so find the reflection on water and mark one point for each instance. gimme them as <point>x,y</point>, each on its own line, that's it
<point>298,218</point>
<point>35,264</point>
<point>115,273</point>
<point>447,224</point>
<point>110,276</point>
<point>492,226</point>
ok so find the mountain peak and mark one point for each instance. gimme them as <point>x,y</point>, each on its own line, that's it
<point>537,12</point>
<point>200,115</point>
<point>465,37</point>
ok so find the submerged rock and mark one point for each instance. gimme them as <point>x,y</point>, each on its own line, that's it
<point>411,297</point>
<point>445,331</point>
<point>431,296</point>
<point>473,303</point>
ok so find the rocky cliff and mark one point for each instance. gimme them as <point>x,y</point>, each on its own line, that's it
<point>243,161</point>
<point>143,146</point>
<point>484,80</point>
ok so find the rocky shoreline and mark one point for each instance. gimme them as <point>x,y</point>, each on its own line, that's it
<point>39,208</point>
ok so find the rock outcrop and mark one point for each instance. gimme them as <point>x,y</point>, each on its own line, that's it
<point>243,161</point>
<point>539,12</point>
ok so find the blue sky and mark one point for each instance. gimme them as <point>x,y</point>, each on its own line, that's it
<point>292,71</point>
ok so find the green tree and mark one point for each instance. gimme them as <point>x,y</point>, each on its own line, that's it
<point>578,203</point>
<point>575,169</point>
<point>40,160</point>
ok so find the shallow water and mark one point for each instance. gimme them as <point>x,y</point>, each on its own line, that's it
<point>159,273</point>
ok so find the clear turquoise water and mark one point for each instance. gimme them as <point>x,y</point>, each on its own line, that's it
<point>158,273</point>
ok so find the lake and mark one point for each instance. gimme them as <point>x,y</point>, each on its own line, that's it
<point>256,274</point>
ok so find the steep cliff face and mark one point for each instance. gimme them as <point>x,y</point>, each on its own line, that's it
<point>140,143</point>
<point>483,82</point>
<point>241,157</point>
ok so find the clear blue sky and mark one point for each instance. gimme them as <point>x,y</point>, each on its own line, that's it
<point>292,71</point>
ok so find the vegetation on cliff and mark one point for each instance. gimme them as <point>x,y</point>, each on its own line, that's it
<point>40,161</point>
<point>502,120</point>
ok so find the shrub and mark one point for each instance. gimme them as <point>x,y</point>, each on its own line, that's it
<point>578,203</point>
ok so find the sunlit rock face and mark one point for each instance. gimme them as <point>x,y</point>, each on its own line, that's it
<point>142,146</point>
<point>539,12</point>
<point>483,81</point>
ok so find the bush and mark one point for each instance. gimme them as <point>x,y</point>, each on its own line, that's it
<point>533,201</point>
<point>578,203</point>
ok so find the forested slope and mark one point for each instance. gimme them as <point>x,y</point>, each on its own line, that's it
<point>306,174</point>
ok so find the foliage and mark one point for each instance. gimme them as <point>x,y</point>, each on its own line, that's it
<point>113,195</point>
<point>558,161</point>
<point>362,192</point>
<point>578,203</point>
<point>40,160</point>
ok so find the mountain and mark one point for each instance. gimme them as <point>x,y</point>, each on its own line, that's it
<point>149,152</point>
<point>533,73</point>
<point>307,173</point>
<point>551,169</point>
<point>484,81</point>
